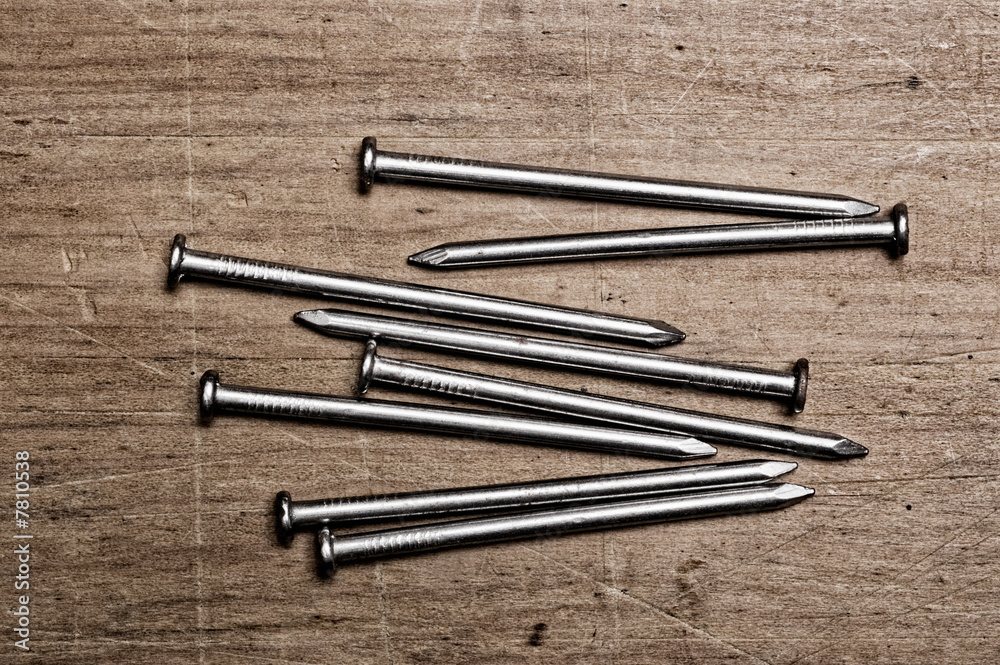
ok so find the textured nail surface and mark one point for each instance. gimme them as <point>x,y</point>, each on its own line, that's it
<point>186,262</point>
<point>292,516</point>
<point>377,370</point>
<point>892,232</point>
<point>379,164</point>
<point>789,387</point>
<point>333,551</point>
<point>216,397</point>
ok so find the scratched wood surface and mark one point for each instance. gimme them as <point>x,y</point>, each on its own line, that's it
<point>238,123</point>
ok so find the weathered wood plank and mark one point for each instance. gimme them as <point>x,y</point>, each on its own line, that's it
<point>239,123</point>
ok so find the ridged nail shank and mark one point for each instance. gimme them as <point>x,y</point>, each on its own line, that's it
<point>218,397</point>
<point>786,386</point>
<point>395,166</point>
<point>377,370</point>
<point>186,262</point>
<point>336,550</point>
<point>450,503</point>
<point>887,231</point>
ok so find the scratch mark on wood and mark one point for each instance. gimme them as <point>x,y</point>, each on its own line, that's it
<point>825,647</point>
<point>87,337</point>
<point>88,307</point>
<point>138,238</point>
<point>934,551</point>
<point>535,210</point>
<point>688,89</point>
<point>384,607</point>
<point>142,19</point>
<point>942,597</point>
<point>120,476</point>
<point>649,606</point>
<point>334,458</point>
<point>937,90</point>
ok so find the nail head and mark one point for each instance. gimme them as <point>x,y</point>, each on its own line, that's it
<point>324,552</point>
<point>368,162</point>
<point>177,251</point>
<point>901,217</point>
<point>206,398</point>
<point>367,367</point>
<point>283,518</point>
<point>801,372</point>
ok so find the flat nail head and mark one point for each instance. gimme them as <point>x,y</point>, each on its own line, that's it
<point>283,518</point>
<point>368,162</point>
<point>177,250</point>
<point>206,397</point>
<point>324,552</point>
<point>367,367</point>
<point>900,215</point>
<point>801,373</point>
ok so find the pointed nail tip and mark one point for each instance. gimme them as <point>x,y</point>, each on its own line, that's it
<point>697,448</point>
<point>664,340</point>
<point>848,448</point>
<point>856,208</point>
<point>435,257</point>
<point>790,492</point>
<point>309,317</point>
<point>664,334</point>
<point>774,468</point>
<point>418,260</point>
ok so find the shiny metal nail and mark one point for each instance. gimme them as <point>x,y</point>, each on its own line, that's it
<point>336,551</point>
<point>378,164</point>
<point>892,232</point>
<point>216,397</point>
<point>292,516</point>
<point>378,370</point>
<point>786,386</point>
<point>186,262</point>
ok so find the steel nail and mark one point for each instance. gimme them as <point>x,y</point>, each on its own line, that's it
<point>292,516</point>
<point>216,397</point>
<point>379,164</point>
<point>186,262</point>
<point>378,370</point>
<point>893,232</point>
<point>786,386</point>
<point>336,551</point>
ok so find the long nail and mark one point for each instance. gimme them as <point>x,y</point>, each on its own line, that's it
<point>378,164</point>
<point>377,370</point>
<point>292,516</point>
<point>785,386</point>
<point>892,232</point>
<point>216,397</point>
<point>336,551</point>
<point>186,262</point>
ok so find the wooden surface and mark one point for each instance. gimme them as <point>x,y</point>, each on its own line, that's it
<point>239,123</point>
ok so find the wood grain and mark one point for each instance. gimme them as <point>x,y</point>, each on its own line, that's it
<point>238,123</point>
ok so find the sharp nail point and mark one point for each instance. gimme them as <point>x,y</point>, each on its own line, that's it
<point>774,468</point>
<point>697,448</point>
<point>667,333</point>
<point>848,448</point>
<point>791,492</point>
<point>308,317</point>
<point>433,257</point>
<point>860,208</point>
